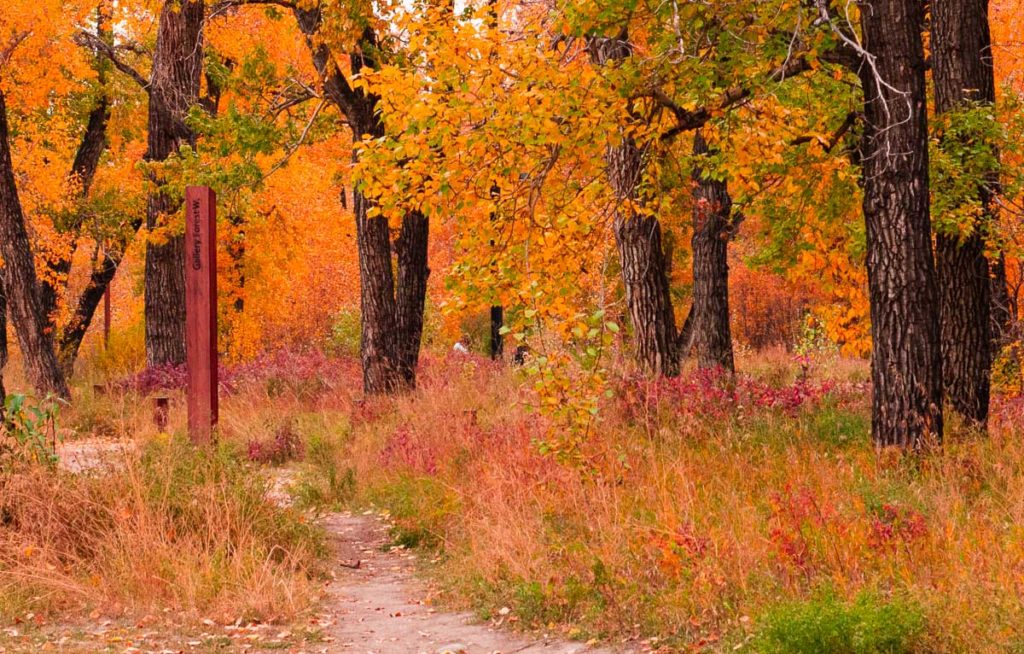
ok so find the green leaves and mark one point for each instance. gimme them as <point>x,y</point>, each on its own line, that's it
<point>28,432</point>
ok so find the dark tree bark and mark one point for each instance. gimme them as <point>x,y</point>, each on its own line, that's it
<point>3,347</point>
<point>83,169</point>
<point>712,230</point>
<point>962,71</point>
<point>644,266</point>
<point>639,241</point>
<point>906,360</point>
<point>497,339</point>
<point>173,91</point>
<point>411,252</point>
<point>99,280</point>
<point>392,315</point>
<point>18,279</point>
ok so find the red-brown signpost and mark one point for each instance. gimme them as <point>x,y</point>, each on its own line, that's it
<point>201,311</point>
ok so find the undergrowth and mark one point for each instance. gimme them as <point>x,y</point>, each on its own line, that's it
<point>171,527</point>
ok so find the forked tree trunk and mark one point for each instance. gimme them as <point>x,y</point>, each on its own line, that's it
<point>174,90</point>
<point>712,229</point>
<point>392,314</point>
<point>906,360</point>
<point>18,279</point>
<point>639,241</point>
<point>962,72</point>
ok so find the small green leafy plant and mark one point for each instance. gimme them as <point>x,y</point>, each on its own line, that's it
<point>28,432</point>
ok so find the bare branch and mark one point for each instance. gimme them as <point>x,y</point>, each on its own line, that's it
<point>8,52</point>
<point>89,40</point>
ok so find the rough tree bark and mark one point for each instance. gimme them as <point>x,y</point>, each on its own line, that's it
<point>906,360</point>
<point>962,72</point>
<point>392,314</point>
<point>413,271</point>
<point>712,230</point>
<point>3,347</point>
<point>18,278</point>
<point>642,258</point>
<point>639,241</point>
<point>173,91</point>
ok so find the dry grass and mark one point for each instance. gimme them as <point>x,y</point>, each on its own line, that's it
<point>706,517</point>
<point>168,528</point>
<point>693,524</point>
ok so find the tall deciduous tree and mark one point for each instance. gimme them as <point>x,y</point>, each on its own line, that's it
<point>639,240</point>
<point>18,276</point>
<point>173,91</point>
<point>962,73</point>
<point>392,313</point>
<point>83,170</point>
<point>713,226</point>
<point>906,361</point>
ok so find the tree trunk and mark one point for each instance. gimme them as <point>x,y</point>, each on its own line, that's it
<point>638,237</point>
<point>18,279</point>
<point>173,91</point>
<point>712,229</point>
<point>413,272</point>
<point>88,302</point>
<point>3,348</point>
<point>906,360</point>
<point>962,71</point>
<point>83,170</point>
<point>642,258</point>
<point>379,321</point>
<point>392,318</point>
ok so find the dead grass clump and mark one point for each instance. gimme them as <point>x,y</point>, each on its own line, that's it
<point>174,527</point>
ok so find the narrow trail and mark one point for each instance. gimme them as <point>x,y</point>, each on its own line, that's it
<point>375,603</point>
<point>381,607</point>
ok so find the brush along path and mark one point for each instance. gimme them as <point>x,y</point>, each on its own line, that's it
<point>381,608</point>
<point>375,604</point>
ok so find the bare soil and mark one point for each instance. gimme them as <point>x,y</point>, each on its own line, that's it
<point>382,608</point>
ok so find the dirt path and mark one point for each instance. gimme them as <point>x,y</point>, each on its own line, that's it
<point>375,604</point>
<point>381,606</point>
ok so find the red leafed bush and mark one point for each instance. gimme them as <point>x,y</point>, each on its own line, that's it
<point>713,394</point>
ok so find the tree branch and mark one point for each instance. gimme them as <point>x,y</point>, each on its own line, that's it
<point>89,40</point>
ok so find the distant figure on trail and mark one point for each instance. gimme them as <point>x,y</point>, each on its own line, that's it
<point>461,346</point>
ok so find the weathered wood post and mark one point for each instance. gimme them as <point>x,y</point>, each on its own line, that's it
<point>201,311</point>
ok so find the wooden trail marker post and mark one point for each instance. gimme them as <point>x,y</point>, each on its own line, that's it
<point>201,311</point>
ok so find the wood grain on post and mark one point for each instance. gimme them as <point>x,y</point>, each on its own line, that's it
<point>201,311</point>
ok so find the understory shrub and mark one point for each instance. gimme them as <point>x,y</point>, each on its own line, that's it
<point>828,625</point>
